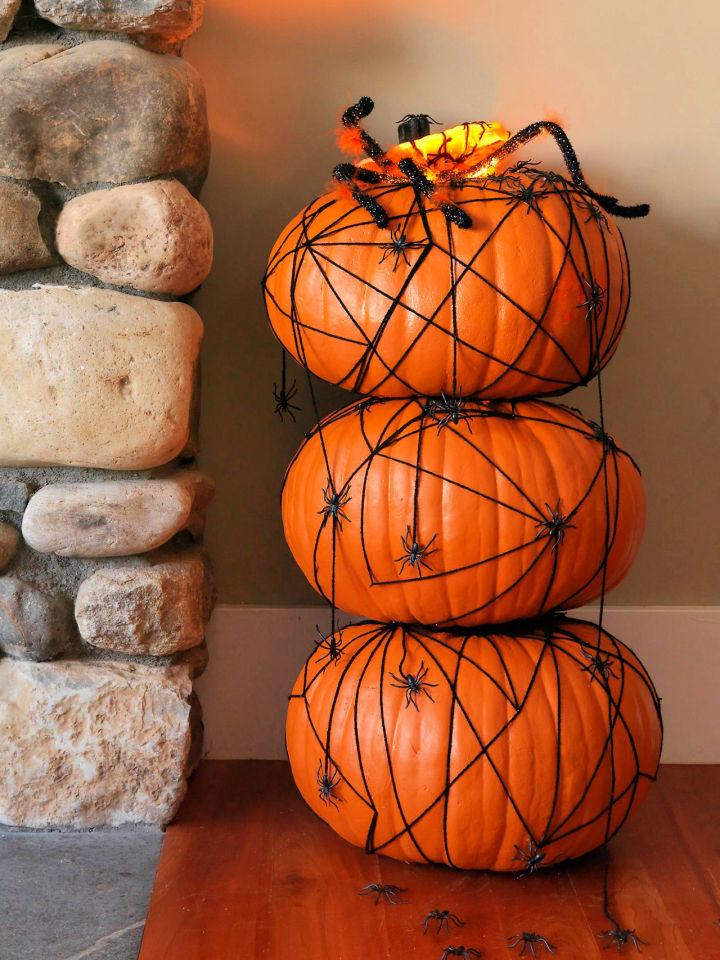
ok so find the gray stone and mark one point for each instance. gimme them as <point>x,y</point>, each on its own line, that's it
<point>95,378</point>
<point>33,625</point>
<point>155,611</point>
<point>9,539</point>
<point>153,236</point>
<point>100,111</point>
<point>8,12</point>
<point>105,877</point>
<point>111,518</point>
<point>14,495</point>
<point>170,20</point>
<point>21,244</point>
<point>90,744</point>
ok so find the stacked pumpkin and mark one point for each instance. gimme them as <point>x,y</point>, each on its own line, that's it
<point>466,721</point>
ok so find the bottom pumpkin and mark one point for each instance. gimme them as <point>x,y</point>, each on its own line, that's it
<point>504,751</point>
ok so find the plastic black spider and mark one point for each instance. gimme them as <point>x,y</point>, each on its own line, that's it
<point>387,892</point>
<point>444,918</point>
<point>283,400</point>
<point>450,410</point>
<point>334,503</point>
<point>414,555</point>
<point>604,438</point>
<point>529,942</point>
<point>531,858</point>
<point>595,298</point>
<point>328,780</point>
<point>413,684</point>
<point>398,247</point>
<point>332,643</point>
<point>598,664</point>
<point>554,525</point>
<point>459,952</point>
<point>621,938</point>
<point>525,194</point>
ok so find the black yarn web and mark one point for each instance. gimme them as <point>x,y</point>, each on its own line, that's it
<point>522,188</point>
<point>423,659</point>
<point>520,191</point>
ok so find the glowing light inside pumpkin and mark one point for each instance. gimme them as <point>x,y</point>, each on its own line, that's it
<point>455,149</point>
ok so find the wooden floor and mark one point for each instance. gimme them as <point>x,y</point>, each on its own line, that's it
<point>248,872</point>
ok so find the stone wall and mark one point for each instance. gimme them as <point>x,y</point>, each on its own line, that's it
<point>105,588</point>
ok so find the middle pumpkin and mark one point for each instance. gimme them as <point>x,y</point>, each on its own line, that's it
<point>461,512</point>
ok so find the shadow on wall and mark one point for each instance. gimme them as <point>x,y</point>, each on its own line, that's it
<point>273,101</point>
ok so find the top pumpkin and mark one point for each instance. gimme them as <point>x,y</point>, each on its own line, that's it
<point>386,286</point>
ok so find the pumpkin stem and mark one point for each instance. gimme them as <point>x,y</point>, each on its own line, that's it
<point>414,126</point>
<point>609,204</point>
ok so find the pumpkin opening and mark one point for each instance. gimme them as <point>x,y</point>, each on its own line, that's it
<point>453,151</point>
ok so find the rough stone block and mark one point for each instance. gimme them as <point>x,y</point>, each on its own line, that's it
<point>156,610</point>
<point>33,624</point>
<point>153,236</point>
<point>114,518</point>
<point>170,20</point>
<point>89,743</point>
<point>8,12</point>
<point>100,111</point>
<point>94,378</point>
<point>21,244</point>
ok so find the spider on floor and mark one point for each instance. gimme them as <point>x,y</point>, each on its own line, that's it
<point>529,941</point>
<point>387,892</point>
<point>444,918</point>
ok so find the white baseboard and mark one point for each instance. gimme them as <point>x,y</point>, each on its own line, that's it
<point>256,653</point>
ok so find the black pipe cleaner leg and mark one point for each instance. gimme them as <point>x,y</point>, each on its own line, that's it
<point>608,203</point>
<point>351,119</point>
<point>349,174</point>
<point>417,178</point>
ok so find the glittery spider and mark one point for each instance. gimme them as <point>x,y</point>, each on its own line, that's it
<point>595,299</point>
<point>554,525</point>
<point>283,400</point>
<point>448,410</point>
<point>332,643</point>
<point>328,780</point>
<point>443,918</point>
<point>529,941</point>
<point>334,503</point>
<point>459,952</point>
<point>398,247</point>
<point>387,892</point>
<point>530,858</point>
<point>620,938</point>
<point>414,685</point>
<point>598,665</point>
<point>414,554</point>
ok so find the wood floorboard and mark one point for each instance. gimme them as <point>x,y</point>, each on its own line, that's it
<point>248,872</point>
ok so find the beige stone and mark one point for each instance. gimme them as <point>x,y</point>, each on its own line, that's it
<point>9,539</point>
<point>114,518</point>
<point>34,625</point>
<point>21,243</point>
<point>169,20</point>
<point>153,236</point>
<point>100,111</point>
<point>8,12</point>
<point>95,378</point>
<point>154,611</point>
<point>91,744</point>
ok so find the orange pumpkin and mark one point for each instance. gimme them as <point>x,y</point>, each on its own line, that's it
<point>529,300</point>
<point>461,512</point>
<point>497,751</point>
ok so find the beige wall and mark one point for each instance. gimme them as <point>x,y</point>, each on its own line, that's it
<point>636,85</point>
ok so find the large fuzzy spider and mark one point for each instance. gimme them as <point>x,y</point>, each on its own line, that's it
<point>398,246</point>
<point>443,918</point>
<point>460,951</point>
<point>414,554</point>
<point>328,780</point>
<point>283,400</point>
<point>554,525</point>
<point>387,892</point>
<point>531,858</point>
<point>598,665</point>
<point>529,942</point>
<point>335,501</point>
<point>621,938</point>
<point>413,684</point>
